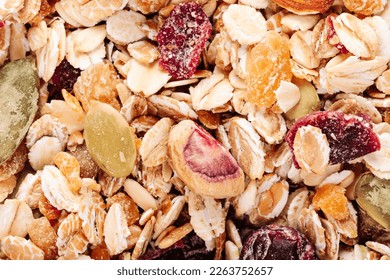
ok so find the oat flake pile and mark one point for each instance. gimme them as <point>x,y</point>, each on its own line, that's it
<point>176,129</point>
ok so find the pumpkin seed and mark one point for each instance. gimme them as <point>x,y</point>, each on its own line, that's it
<point>18,102</point>
<point>109,140</point>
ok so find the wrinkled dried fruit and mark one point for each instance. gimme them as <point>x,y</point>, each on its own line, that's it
<point>109,140</point>
<point>267,65</point>
<point>203,163</point>
<point>372,195</point>
<point>308,102</point>
<point>18,103</point>
<point>332,201</point>
<point>65,76</point>
<point>349,136</point>
<point>182,38</point>
<point>273,242</point>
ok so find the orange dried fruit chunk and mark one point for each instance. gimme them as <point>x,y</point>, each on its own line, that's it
<point>267,65</point>
<point>332,201</point>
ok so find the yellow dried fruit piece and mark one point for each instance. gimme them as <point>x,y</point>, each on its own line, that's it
<point>109,140</point>
<point>332,201</point>
<point>18,103</point>
<point>267,65</point>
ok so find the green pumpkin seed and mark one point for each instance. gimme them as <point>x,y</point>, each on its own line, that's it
<point>372,194</point>
<point>109,140</point>
<point>18,102</point>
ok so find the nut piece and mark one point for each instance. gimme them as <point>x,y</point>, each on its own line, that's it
<point>203,163</point>
<point>301,7</point>
<point>175,235</point>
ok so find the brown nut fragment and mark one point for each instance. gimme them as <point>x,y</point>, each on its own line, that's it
<point>203,163</point>
<point>303,7</point>
<point>44,236</point>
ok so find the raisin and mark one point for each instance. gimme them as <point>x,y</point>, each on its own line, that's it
<point>65,76</point>
<point>273,242</point>
<point>182,38</point>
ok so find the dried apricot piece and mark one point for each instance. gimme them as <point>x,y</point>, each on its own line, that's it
<point>267,65</point>
<point>332,201</point>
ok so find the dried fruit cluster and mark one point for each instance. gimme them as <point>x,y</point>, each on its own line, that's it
<point>194,129</point>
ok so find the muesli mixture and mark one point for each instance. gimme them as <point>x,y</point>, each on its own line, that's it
<point>177,129</point>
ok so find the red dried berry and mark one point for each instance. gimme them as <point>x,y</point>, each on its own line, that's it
<point>2,24</point>
<point>273,242</point>
<point>65,76</point>
<point>182,38</point>
<point>349,136</point>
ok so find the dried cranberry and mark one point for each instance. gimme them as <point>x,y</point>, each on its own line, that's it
<point>182,38</point>
<point>190,247</point>
<point>65,76</point>
<point>273,242</point>
<point>2,24</point>
<point>349,136</point>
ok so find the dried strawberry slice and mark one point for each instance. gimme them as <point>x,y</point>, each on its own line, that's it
<point>273,242</point>
<point>349,136</point>
<point>182,38</point>
<point>65,76</point>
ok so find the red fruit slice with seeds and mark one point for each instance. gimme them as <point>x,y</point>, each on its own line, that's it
<point>349,136</point>
<point>182,38</point>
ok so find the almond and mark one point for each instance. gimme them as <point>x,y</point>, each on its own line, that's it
<point>302,7</point>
